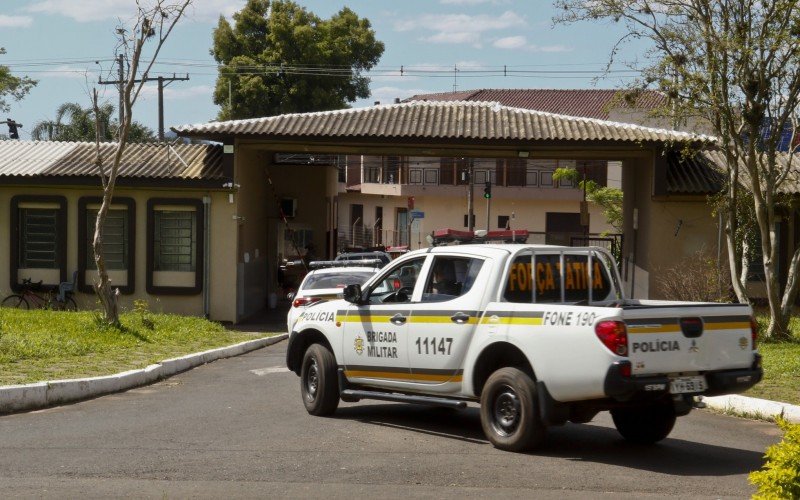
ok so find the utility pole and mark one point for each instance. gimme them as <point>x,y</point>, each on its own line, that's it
<point>120,82</point>
<point>161,86</point>
<point>162,82</point>
<point>470,203</point>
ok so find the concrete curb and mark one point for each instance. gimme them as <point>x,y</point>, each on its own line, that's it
<point>737,403</point>
<point>14,398</point>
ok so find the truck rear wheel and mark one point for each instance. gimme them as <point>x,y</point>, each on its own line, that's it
<point>318,384</point>
<point>509,411</point>
<point>644,425</point>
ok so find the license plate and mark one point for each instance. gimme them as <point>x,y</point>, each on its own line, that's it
<point>682,385</point>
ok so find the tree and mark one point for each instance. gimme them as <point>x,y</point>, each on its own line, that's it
<point>607,198</point>
<point>12,86</point>
<point>152,27</point>
<point>75,123</point>
<point>280,58</point>
<point>734,64</point>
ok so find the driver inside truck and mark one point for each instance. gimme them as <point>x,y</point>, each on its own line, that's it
<point>444,278</point>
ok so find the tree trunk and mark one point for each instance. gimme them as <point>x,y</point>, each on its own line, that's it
<point>103,289</point>
<point>778,322</point>
<point>734,262</point>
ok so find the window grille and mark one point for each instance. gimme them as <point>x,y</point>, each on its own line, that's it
<point>115,239</point>
<point>175,240</point>
<point>38,238</point>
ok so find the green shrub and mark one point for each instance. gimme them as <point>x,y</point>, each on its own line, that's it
<point>780,476</point>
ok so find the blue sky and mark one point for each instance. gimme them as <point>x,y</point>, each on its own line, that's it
<point>68,44</point>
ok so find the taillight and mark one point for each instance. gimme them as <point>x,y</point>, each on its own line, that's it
<point>614,336</point>
<point>397,284</point>
<point>753,331</point>
<point>305,301</point>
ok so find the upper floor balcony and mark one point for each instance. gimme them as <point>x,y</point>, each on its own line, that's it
<point>515,178</point>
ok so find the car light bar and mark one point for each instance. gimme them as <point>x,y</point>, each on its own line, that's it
<point>320,264</point>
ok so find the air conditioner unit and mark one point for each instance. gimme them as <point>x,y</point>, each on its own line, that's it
<point>289,207</point>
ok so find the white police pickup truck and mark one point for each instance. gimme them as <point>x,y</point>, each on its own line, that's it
<point>538,335</point>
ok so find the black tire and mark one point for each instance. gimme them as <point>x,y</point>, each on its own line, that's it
<point>510,411</point>
<point>646,424</point>
<point>318,384</point>
<point>15,302</point>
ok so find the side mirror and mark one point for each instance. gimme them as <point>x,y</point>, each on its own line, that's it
<point>352,293</point>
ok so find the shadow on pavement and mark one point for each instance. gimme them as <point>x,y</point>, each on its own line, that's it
<point>265,320</point>
<point>575,442</point>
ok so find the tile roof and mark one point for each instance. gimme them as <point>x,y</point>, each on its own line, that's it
<point>463,120</point>
<point>72,159</point>
<point>589,103</point>
<point>698,174</point>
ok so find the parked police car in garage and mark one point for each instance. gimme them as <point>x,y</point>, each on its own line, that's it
<point>538,335</point>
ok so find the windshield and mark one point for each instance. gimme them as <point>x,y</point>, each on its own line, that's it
<point>335,280</point>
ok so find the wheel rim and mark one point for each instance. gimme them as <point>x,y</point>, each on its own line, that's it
<point>506,411</point>
<point>312,380</point>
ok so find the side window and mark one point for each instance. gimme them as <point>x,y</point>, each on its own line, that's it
<point>174,240</point>
<point>398,284</point>
<point>174,246</point>
<point>119,245</point>
<point>38,235</point>
<point>450,277</point>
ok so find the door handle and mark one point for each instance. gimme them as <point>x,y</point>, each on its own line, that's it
<point>460,317</point>
<point>398,319</point>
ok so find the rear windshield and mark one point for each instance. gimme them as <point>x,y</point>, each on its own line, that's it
<point>543,284</point>
<point>335,280</point>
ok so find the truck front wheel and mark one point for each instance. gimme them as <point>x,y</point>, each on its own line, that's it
<point>644,425</point>
<point>509,411</point>
<point>318,384</point>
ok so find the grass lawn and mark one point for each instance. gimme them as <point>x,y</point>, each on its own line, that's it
<point>781,373</point>
<point>42,345</point>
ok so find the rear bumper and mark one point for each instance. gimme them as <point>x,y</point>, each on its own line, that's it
<point>622,388</point>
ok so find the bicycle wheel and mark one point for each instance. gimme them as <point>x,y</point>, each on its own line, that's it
<point>68,305</point>
<point>15,302</point>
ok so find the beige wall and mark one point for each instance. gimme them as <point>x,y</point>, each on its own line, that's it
<point>222,268</point>
<point>448,211</point>
<point>670,231</point>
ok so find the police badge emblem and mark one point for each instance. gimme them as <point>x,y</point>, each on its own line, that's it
<point>359,345</point>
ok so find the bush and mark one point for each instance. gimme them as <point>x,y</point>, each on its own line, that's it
<point>696,279</point>
<point>780,476</point>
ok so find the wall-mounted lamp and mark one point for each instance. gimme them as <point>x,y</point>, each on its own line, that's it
<point>523,154</point>
<point>231,186</point>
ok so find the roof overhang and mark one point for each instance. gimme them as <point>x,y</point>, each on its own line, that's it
<point>434,127</point>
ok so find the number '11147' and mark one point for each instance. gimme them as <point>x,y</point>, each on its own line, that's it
<point>433,345</point>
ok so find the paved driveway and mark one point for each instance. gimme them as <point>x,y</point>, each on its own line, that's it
<point>237,428</point>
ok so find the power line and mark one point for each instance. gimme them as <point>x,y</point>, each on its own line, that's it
<point>162,82</point>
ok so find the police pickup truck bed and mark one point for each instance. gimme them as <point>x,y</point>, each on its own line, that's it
<point>538,335</point>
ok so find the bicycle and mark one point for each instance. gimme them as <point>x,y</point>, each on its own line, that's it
<point>28,295</point>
